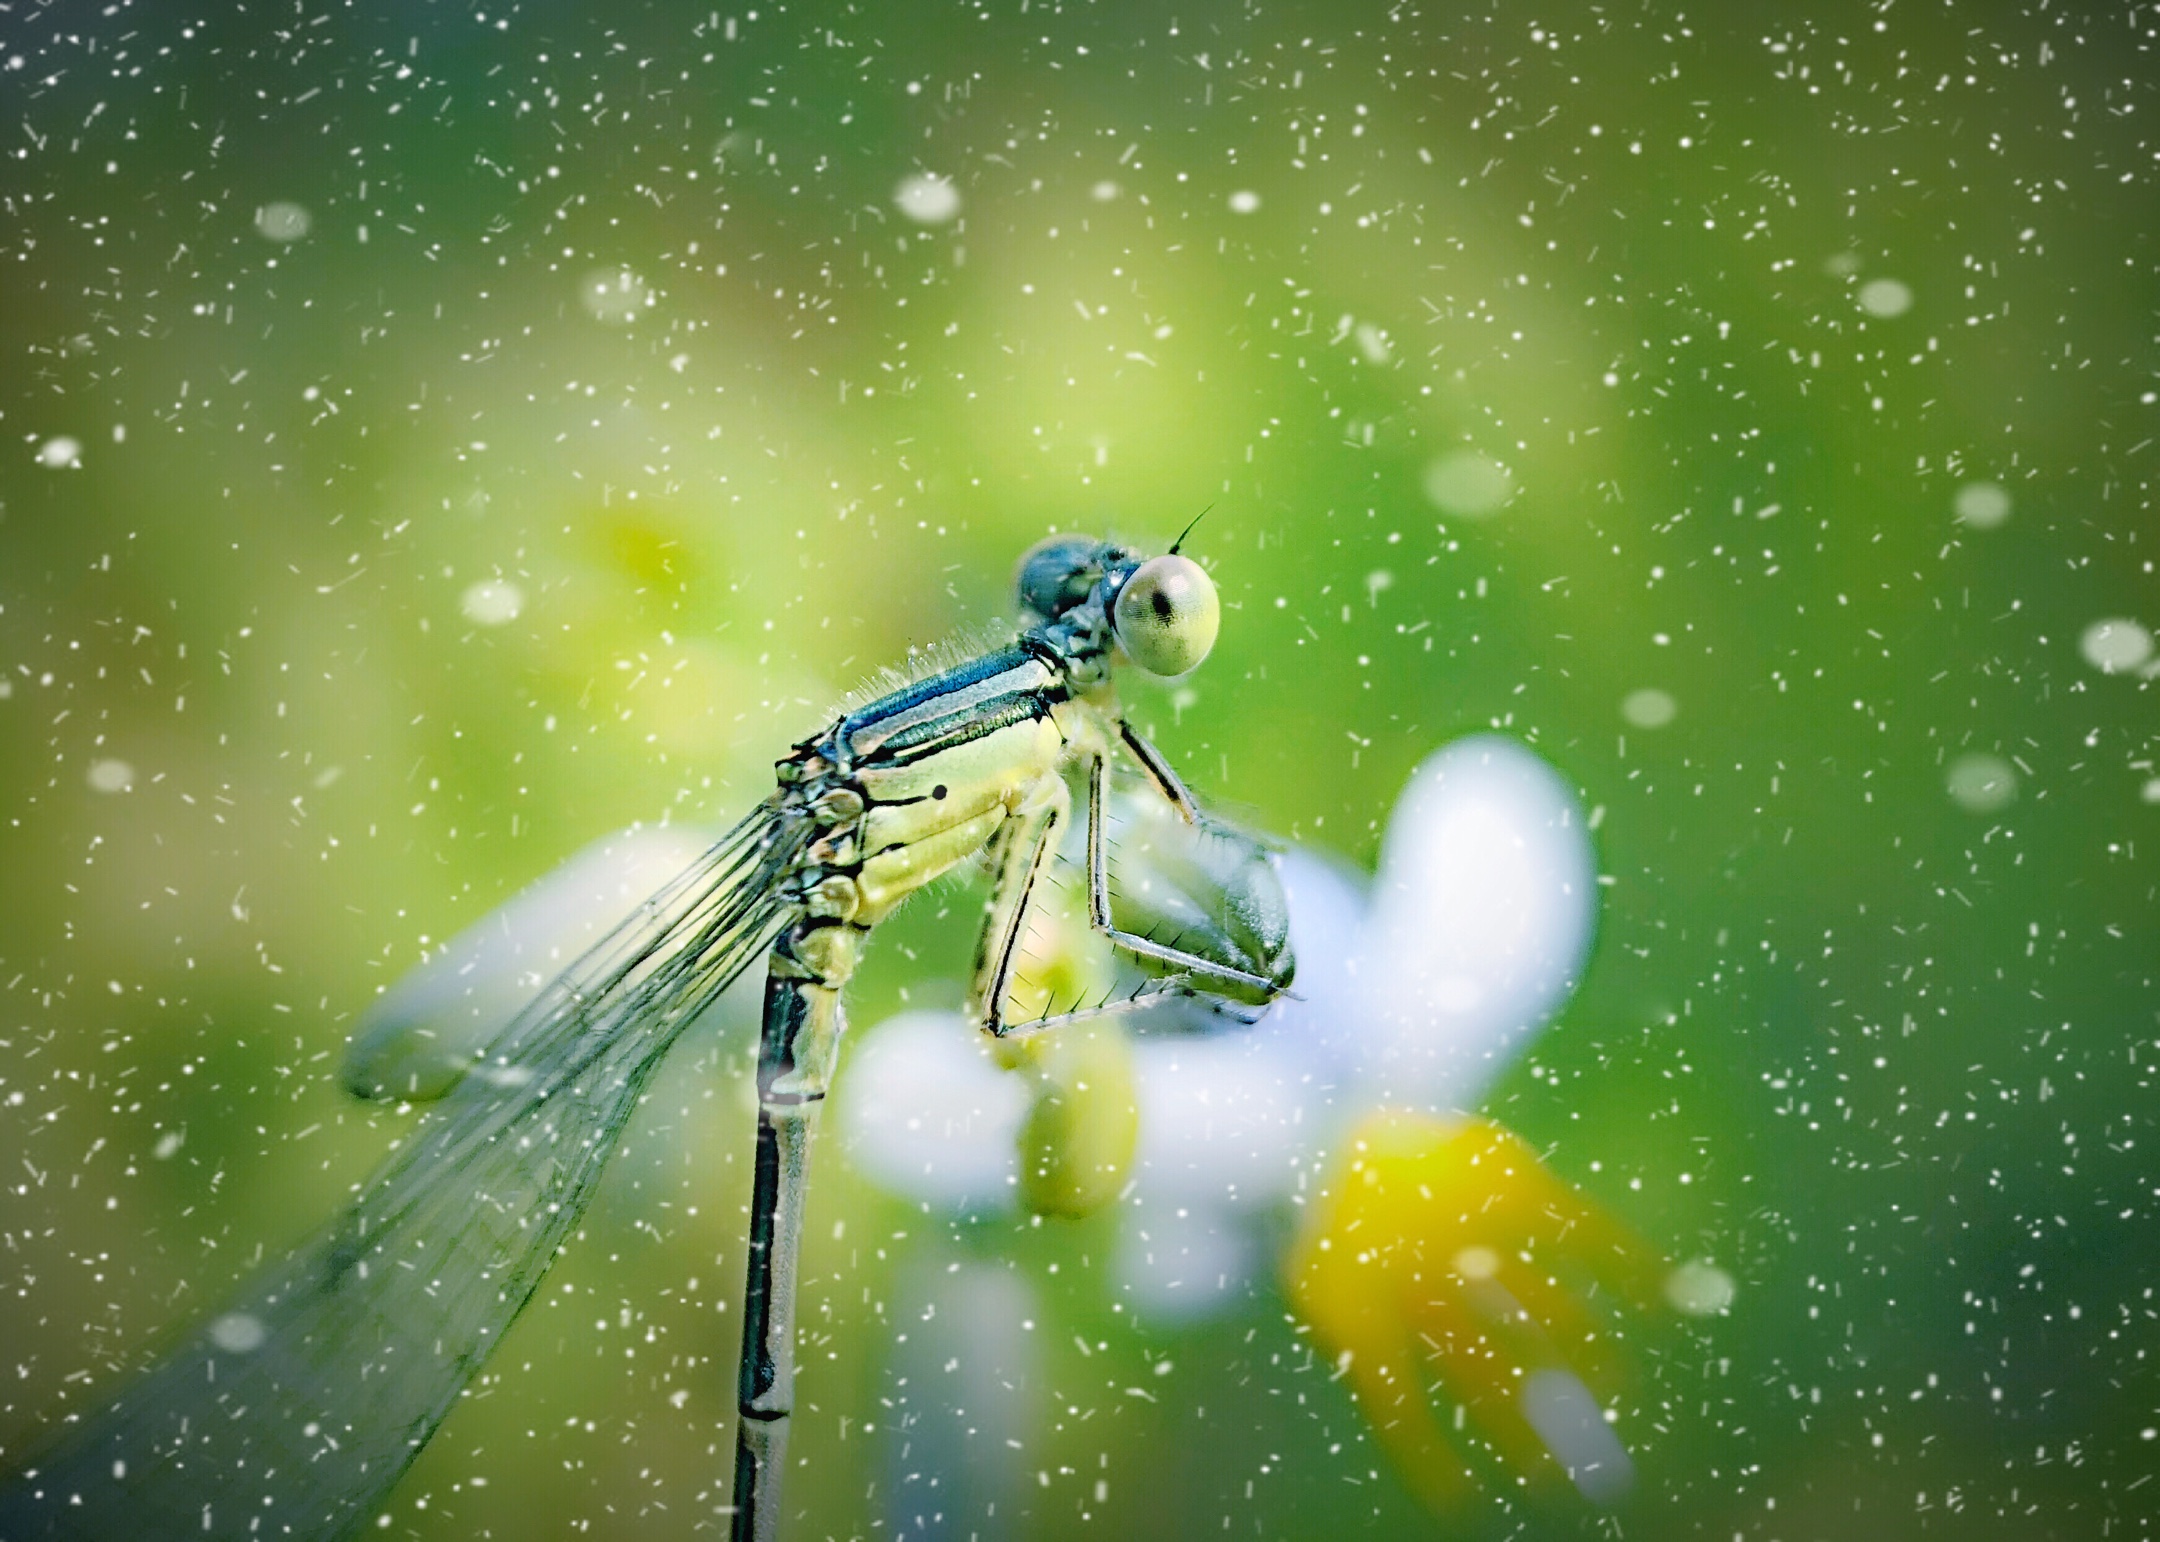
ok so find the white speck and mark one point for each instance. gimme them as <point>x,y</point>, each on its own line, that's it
<point>2116,645</point>
<point>2150,792</point>
<point>1885,297</point>
<point>168,1145</point>
<point>614,294</point>
<point>492,602</point>
<point>927,199</point>
<point>1982,783</point>
<point>1649,708</point>
<point>283,221</point>
<point>60,453</point>
<point>110,776</point>
<point>1468,483</point>
<point>236,1333</point>
<point>1982,505</point>
<point>1244,201</point>
<point>1104,192</point>
<point>1373,343</point>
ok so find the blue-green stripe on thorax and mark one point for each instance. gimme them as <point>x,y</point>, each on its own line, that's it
<point>943,711</point>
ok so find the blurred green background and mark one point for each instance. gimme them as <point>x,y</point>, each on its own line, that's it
<point>438,435</point>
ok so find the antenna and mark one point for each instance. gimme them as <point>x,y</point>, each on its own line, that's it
<point>1188,530</point>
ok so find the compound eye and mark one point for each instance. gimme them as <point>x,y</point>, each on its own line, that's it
<point>1056,574</point>
<point>1167,615</point>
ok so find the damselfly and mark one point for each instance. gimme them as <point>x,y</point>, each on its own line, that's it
<point>294,1411</point>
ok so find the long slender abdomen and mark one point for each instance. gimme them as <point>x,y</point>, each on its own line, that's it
<point>808,965</point>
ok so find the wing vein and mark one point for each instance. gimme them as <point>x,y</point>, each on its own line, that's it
<point>318,1385</point>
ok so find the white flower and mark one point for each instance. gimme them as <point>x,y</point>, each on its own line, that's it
<point>1473,934</point>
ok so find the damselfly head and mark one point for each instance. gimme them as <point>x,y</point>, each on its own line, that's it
<point>1166,615</point>
<point>1057,573</point>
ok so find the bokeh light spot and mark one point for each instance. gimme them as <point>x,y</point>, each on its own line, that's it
<point>1649,708</point>
<point>283,222</point>
<point>614,294</point>
<point>1885,297</point>
<point>60,453</point>
<point>1468,483</point>
<point>492,602</point>
<point>1981,783</point>
<point>110,776</point>
<point>2116,645</point>
<point>1982,505</point>
<point>1699,1289</point>
<point>237,1333</point>
<point>927,199</point>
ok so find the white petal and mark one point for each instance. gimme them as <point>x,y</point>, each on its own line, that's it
<point>1220,1119</point>
<point>1327,917</point>
<point>423,1033</point>
<point>1567,1418</point>
<point>925,1114</point>
<point>1482,919</point>
<point>1184,1262</point>
<point>961,1404</point>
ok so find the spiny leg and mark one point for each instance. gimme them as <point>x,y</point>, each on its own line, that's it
<point>1099,915</point>
<point>1167,782</point>
<point>1024,846</point>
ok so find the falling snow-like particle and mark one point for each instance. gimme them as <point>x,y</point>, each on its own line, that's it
<point>927,199</point>
<point>1982,783</point>
<point>1649,708</point>
<point>1244,201</point>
